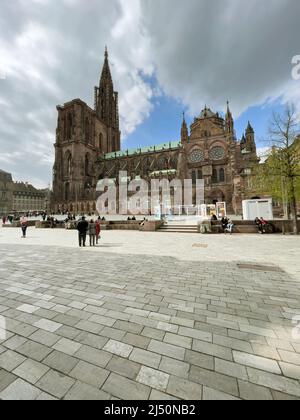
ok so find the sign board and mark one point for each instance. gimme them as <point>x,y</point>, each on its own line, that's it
<point>221,210</point>
<point>258,208</point>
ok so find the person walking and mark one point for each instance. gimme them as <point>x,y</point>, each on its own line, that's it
<point>92,232</point>
<point>82,227</point>
<point>98,229</point>
<point>24,225</point>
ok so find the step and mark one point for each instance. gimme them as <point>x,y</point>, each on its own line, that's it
<point>178,231</point>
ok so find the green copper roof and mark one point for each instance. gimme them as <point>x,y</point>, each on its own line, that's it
<point>144,150</point>
<point>165,172</point>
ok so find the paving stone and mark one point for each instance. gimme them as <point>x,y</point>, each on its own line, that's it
<point>68,332</point>
<point>88,326</point>
<point>212,350</point>
<point>146,358</point>
<point>61,362</point>
<point>47,325</point>
<point>84,392</point>
<point>253,392</point>
<point>265,351</point>
<point>77,305</point>
<point>289,370</point>
<point>290,357</point>
<point>92,340</point>
<point>164,326</point>
<point>67,346</point>
<point>113,333</point>
<point>174,367</point>
<point>14,342</point>
<point>89,374</point>
<point>55,384</point>
<point>137,312</point>
<point>161,396</point>
<point>125,389</point>
<point>103,320</point>
<point>199,359</point>
<point>218,316</point>
<point>24,330</point>
<point>231,369</point>
<point>184,389</point>
<point>95,357</point>
<point>136,340</point>
<point>214,380</point>
<point>177,340</point>
<point>9,360</point>
<point>232,343</point>
<point>34,350</point>
<point>31,371</point>
<point>6,378</point>
<point>118,348</point>
<point>29,309</point>
<point>153,378</point>
<point>46,397</point>
<point>256,362</point>
<point>153,333</point>
<point>210,394</point>
<point>167,350</point>
<point>275,382</point>
<point>123,367</point>
<point>193,333</point>
<point>68,320</point>
<point>182,322</point>
<point>258,331</point>
<point>20,390</point>
<point>280,396</point>
<point>279,344</point>
<point>45,338</point>
<point>129,327</point>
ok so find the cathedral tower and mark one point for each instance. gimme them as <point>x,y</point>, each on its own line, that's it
<point>107,107</point>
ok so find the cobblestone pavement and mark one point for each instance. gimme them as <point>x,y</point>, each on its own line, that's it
<point>81,325</point>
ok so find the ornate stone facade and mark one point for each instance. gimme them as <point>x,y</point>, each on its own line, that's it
<point>88,150</point>
<point>6,193</point>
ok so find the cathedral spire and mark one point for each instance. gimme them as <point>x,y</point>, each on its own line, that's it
<point>106,74</point>
<point>229,123</point>
<point>184,131</point>
<point>106,104</point>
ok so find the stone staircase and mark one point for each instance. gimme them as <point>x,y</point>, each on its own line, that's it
<point>172,228</point>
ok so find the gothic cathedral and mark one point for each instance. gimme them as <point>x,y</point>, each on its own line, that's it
<point>88,149</point>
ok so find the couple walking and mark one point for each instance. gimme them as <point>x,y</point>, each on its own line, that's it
<point>92,228</point>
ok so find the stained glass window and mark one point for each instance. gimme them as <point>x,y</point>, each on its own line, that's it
<point>217,153</point>
<point>196,156</point>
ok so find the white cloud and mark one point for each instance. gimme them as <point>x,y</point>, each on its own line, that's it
<point>198,51</point>
<point>208,52</point>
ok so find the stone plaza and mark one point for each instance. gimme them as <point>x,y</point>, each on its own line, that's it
<point>156,316</point>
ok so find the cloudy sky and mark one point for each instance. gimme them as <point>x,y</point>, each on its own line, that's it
<point>166,56</point>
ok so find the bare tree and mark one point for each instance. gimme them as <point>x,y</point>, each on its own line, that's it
<point>285,156</point>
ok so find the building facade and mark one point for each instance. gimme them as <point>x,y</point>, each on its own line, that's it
<point>26,198</point>
<point>19,197</point>
<point>87,150</point>
<point>6,192</point>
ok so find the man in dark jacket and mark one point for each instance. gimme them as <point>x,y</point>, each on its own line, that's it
<point>82,228</point>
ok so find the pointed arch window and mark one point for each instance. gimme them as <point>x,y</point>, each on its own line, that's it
<point>69,127</point>
<point>86,165</point>
<point>101,145</point>
<point>194,177</point>
<point>222,175</point>
<point>215,176</point>
<point>67,167</point>
<point>87,130</point>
